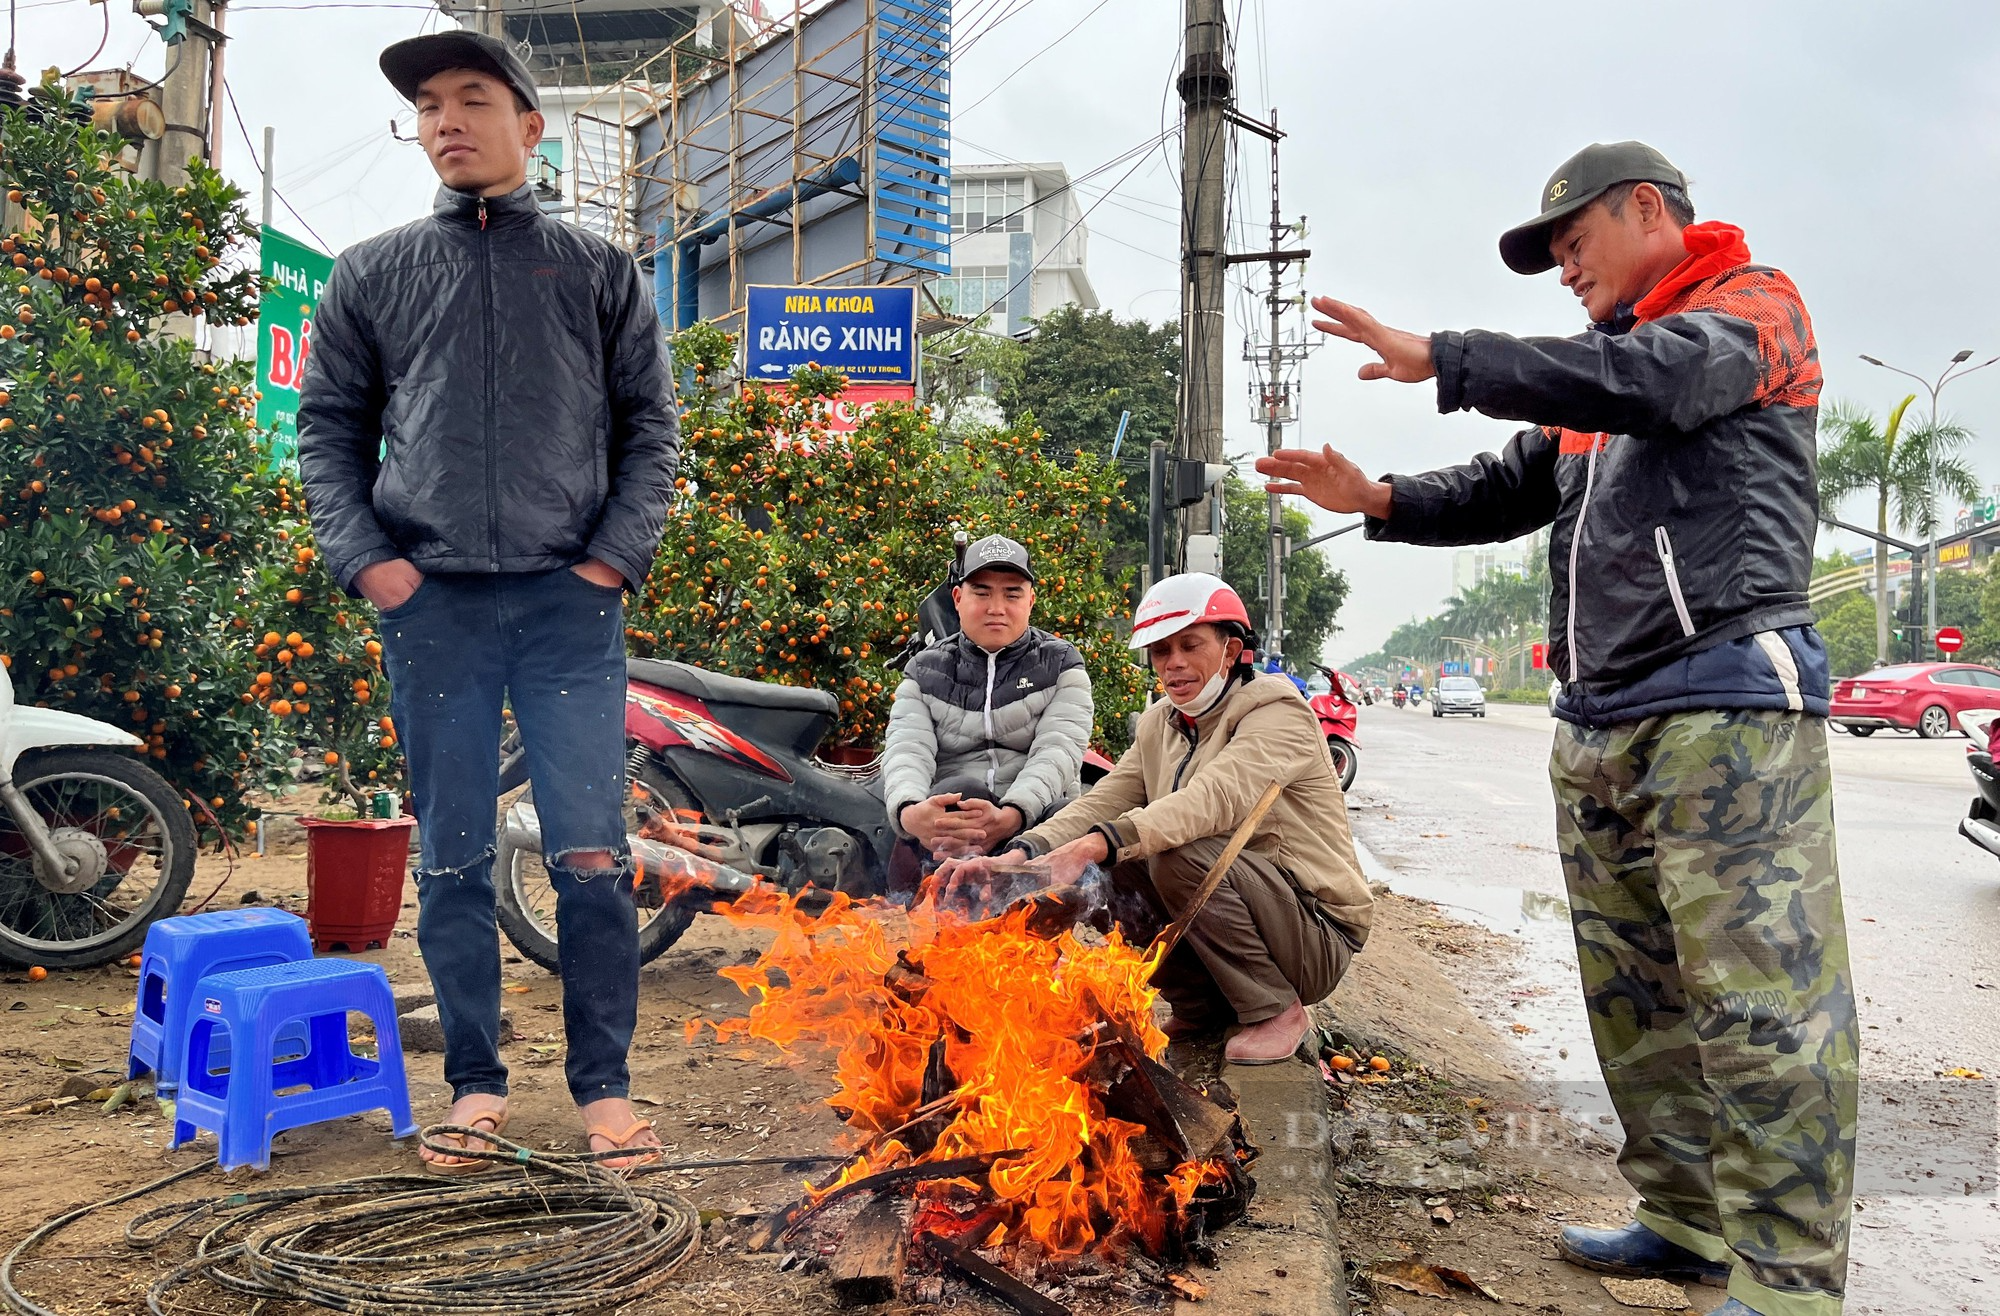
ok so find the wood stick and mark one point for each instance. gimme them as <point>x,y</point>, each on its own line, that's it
<point>868,1266</point>
<point>1171,935</point>
<point>782,1224</point>
<point>986,1275</point>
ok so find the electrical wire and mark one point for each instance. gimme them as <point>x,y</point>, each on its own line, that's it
<point>1071,31</point>
<point>1142,150</point>
<point>542,1232</point>
<point>101,41</point>
<point>179,52</point>
<point>244,129</point>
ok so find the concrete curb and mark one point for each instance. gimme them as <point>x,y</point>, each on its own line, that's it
<point>1284,1258</point>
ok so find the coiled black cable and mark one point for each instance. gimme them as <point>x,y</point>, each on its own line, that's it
<point>543,1232</point>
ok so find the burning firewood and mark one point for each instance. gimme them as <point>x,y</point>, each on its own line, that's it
<point>868,1267</point>
<point>1005,1068</point>
<point>993,1279</point>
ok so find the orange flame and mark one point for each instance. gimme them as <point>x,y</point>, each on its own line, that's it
<point>1020,1017</point>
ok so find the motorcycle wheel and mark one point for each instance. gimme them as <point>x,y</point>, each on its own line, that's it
<point>1863,732</point>
<point>525,896</point>
<point>1346,760</point>
<point>138,844</point>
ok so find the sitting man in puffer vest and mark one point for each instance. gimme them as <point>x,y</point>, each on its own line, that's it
<point>987,732</point>
<point>1292,909</point>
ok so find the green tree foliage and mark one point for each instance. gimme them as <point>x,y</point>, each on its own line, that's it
<point>800,557</point>
<point>1314,590</point>
<point>1504,613</point>
<point>132,526</point>
<point>965,373</point>
<point>1082,370</point>
<point>1901,471</point>
<point>1847,626</point>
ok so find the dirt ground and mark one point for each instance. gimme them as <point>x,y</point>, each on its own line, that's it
<point>1451,1133</point>
<point>1458,1161</point>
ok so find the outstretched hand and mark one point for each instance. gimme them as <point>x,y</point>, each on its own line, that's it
<point>1406,357</point>
<point>1327,478</point>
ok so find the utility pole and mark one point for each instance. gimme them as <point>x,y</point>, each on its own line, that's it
<point>191,93</point>
<point>491,19</point>
<point>1273,393</point>
<point>270,170</point>
<point>1206,86</point>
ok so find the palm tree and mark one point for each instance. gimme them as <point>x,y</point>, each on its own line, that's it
<point>1904,472</point>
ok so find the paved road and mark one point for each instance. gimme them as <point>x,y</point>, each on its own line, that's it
<point>1459,810</point>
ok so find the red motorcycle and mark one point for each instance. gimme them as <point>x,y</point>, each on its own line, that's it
<point>739,762</point>
<point>1338,712</point>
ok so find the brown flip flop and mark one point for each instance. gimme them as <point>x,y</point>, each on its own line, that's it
<point>620,1141</point>
<point>460,1166</point>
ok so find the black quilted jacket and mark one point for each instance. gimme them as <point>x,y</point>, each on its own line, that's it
<point>1675,457</point>
<point>487,391</point>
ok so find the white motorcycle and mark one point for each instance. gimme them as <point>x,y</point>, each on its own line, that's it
<point>94,845</point>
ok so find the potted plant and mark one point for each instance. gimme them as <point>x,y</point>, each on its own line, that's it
<point>321,682</point>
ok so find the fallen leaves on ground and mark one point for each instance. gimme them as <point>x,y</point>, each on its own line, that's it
<point>1428,1280</point>
<point>1961,1071</point>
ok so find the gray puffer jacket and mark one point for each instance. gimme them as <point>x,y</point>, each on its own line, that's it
<point>1017,720</point>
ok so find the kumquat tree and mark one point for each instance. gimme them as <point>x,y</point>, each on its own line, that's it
<point>800,556</point>
<point>145,551</point>
<point>318,674</point>
<point>126,526</point>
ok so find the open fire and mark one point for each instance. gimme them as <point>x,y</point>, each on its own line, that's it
<point>1012,1053</point>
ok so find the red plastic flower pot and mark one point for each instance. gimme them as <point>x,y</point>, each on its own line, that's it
<point>354,879</point>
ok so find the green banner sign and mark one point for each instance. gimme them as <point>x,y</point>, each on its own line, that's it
<point>294,277</point>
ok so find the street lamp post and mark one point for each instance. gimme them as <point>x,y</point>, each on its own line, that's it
<point>1951,372</point>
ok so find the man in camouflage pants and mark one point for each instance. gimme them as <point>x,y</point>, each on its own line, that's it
<point>1672,451</point>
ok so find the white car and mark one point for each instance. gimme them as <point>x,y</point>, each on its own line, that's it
<point>1458,694</point>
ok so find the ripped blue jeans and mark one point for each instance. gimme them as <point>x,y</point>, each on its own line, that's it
<point>552,646</point>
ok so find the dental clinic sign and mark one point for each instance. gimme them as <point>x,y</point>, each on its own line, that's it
<point>294,277</point>
<point>868,334</point>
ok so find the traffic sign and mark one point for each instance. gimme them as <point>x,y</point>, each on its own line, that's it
<point>868,334</point>
<point>1950,639</point>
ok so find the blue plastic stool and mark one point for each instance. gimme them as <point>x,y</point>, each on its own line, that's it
<point>179,953</point>
<point>249,1105</point>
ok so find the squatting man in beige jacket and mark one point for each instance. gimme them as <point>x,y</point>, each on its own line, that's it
<point>1282,927</point>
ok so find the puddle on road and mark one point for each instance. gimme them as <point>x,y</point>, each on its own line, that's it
<point>1536,992</point>
<point>1927,1224</point>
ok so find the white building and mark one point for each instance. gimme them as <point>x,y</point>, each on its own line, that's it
<point>578,54</point>
<point>1018,245</point>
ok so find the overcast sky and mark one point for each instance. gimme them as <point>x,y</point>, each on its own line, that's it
<point>1855,142</point>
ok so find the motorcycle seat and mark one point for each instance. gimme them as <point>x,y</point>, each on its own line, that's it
<point>715,688</point>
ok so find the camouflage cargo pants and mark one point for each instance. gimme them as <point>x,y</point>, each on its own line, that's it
<point>1698,850</point>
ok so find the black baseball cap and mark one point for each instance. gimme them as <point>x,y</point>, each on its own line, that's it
<point>998,553</point>
<point>408,63</point>
<point>1580,180</point>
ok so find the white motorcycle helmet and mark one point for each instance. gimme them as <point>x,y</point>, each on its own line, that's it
<point>1193,599</point>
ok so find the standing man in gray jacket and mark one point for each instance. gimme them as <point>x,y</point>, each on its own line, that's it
<point>987,733</point>
<point>487,436</point>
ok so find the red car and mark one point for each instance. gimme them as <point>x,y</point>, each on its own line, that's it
<point>1922,697</point>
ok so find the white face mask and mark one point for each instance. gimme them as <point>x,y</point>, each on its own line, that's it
<point>1205,698</point>
<point>1208,696</point>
